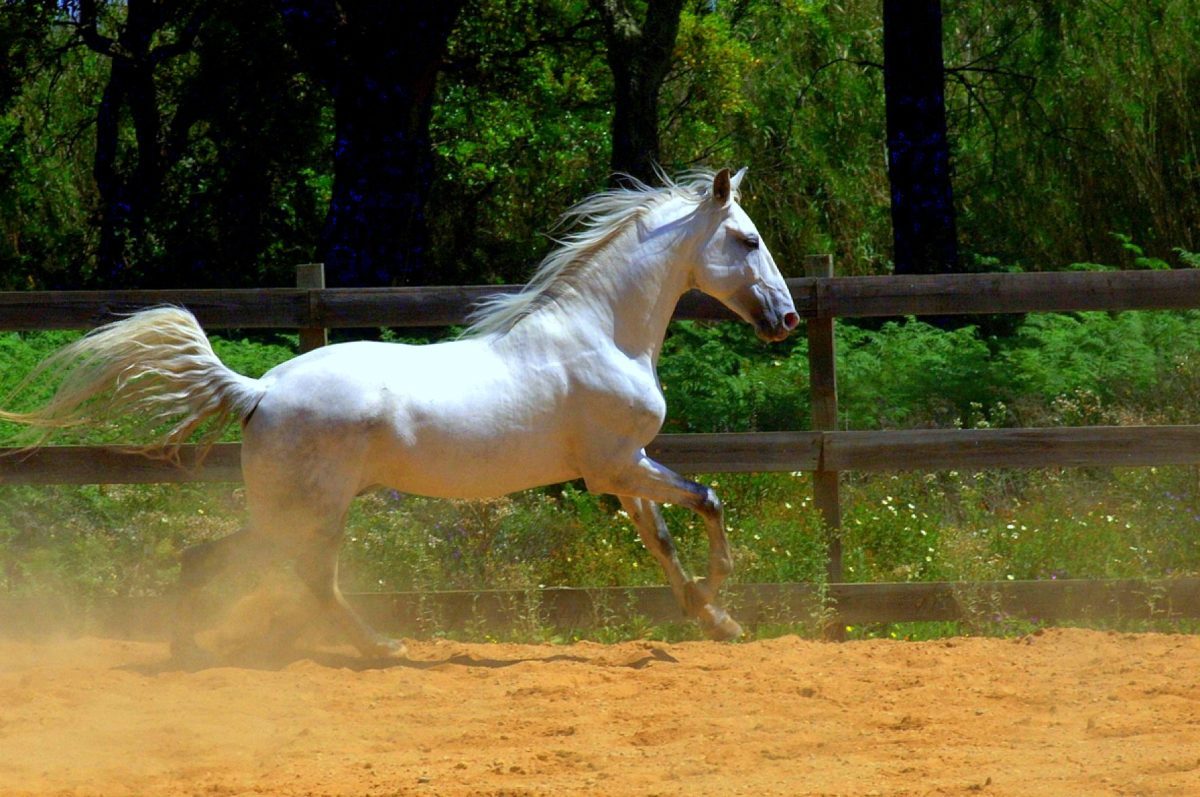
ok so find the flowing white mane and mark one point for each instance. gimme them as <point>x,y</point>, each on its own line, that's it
<point>600,219</point>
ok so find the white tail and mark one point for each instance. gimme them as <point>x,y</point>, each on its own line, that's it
<point>156,366</point>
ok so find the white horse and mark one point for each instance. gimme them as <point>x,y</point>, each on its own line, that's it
<point>554,383</point>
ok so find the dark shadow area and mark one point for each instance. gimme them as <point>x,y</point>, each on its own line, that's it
<point>280,659</point>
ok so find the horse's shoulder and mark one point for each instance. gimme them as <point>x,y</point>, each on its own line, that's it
<point>621,389</point>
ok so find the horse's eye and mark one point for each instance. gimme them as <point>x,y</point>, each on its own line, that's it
<point>750,240</point>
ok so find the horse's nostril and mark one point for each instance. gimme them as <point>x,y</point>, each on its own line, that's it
<point>791,320</point>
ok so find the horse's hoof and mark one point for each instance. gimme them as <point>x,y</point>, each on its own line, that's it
<point>382,647</point>
<point>718,625</point>
<point>187,654</point>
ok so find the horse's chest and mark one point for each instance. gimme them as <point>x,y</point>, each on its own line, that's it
<point>628,401</point>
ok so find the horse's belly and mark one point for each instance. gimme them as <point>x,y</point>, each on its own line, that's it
<point>462,466</point>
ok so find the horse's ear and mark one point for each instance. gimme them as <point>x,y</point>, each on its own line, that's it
<point>721,189</point>
<point>736,180</point>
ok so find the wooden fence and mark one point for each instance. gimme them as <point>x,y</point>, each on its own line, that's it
<point>825,450</point>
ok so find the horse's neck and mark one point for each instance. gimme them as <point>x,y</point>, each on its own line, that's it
<point>635,293</point>
<point>624,297</point>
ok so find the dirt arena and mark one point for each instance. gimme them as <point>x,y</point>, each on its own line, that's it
<point>1065,712</point>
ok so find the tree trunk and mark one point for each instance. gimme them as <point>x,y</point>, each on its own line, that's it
<point>130,191</point>
<point>126,192</point>
<point>639,55</point>
<point>380,61</point>
<point>923,221</point>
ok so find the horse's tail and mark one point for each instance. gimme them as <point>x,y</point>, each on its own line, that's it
<point>156,367</point>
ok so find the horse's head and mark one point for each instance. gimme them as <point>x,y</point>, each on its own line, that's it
<point>735,266</point>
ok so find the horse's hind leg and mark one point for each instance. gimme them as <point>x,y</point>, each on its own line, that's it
<point>317,567</point>
<point>199,565</point>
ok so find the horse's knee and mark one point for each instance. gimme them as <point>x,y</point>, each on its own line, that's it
<point>316,565</point>
<point>664,541</point>
<point>200,563</point>
<point>191,561</point>
<point>710,505</point>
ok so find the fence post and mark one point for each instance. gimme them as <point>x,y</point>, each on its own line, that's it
<point>312,276</point>
<point>822,379</point>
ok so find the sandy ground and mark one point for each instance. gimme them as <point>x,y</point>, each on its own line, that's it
<point>1064,712</point>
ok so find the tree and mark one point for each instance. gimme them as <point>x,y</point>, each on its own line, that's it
<point>25,50</point>
<point>379,60</point>
<point>923,219</point>
<point>639,55</point>
<point>1075,129</point>
<point>1074,137</point>
<point>520,133</point>
<point>23,30</point>
<point>130,191</point>
<point>246,202</point>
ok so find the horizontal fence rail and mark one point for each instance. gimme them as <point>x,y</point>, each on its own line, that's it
<point>756,604</point>
<point>743,452</point>
<point>845,297</point>
<point>979,603</point>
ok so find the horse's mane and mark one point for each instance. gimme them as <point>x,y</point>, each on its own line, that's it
<point>599,219</point>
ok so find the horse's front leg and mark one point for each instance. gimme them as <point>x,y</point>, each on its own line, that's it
<point>652,528</point>
<point>642,485</point>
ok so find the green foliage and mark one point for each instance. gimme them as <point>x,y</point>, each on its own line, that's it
<point>46,188</point>
<point>813,131</point>
<point>1138,254</point>
<point>101,541</point>
<point>520,134</point>
<point>1054,369</point>
<point>19,354</point>
<point>1073,120</point>
<point>704,95</point>
<point>721,379</point>
<point>913,372</point>
<point>773,527</point>
<point>1136,359</point>
<point>245,201</point>
<point>1069,122</point>
<point>254,357</point>
<point>1188,259</point>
